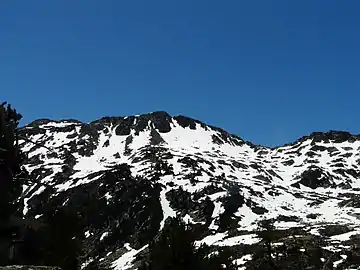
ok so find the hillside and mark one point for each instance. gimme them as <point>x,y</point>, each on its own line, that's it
<point>122,177</point>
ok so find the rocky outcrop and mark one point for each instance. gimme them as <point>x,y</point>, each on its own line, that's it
<point>109,186</point>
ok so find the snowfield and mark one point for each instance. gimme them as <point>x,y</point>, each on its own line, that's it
<point>311,183</point>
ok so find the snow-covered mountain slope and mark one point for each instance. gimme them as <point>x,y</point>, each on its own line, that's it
<point>126,175</point>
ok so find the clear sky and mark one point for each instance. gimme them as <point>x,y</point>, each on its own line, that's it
<point>269,71</point>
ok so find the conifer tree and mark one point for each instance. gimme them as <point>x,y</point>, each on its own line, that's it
<point>263,258</point>
<point>11,181</point>
<point>11,159</point>
<point>49,243</point>
<point>174,249</point>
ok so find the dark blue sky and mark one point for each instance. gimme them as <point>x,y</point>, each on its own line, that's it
<point>269,71</point>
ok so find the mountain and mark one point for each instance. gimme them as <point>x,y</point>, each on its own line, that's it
<point>121,178</point>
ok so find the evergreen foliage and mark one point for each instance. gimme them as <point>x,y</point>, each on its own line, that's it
<point>11,160</point>
<point>174,249</point>
<point>300,252</point>
<point>11,180</point>
<point>231,204</point>
<point>22,239</point>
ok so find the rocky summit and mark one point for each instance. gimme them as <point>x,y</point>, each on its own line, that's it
<point>124,177</point>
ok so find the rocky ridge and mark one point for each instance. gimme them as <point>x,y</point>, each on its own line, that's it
<point>124,176</point>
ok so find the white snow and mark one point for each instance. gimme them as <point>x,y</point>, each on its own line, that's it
<point>198,144</point>
<point>102,237</point>
<point>242,260</point>
<point>344,236</point>
<point>211,239</point>
<point>248,239</point>
<point>219,209</point>
<point>58,124</point>
<point>125,261</point>
<point>167,210</point>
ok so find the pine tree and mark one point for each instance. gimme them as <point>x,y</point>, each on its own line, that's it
<point>11,180</point>
<point>24,240</point>
<point>174,249</point>
<point>11,160</point>
<point>263,258</point>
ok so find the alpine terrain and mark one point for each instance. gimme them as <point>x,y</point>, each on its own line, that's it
<point>115,187</point>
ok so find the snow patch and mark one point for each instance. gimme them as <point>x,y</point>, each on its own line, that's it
<point>125,261</point>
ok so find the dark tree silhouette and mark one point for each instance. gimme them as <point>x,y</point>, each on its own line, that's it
<point>11,181</point>
<point>24,240</point>
<point>174,249</point>
<point>263,258</point>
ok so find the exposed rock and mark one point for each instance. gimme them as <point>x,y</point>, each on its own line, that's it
<point>220,187</point>
<point>314,177</point>
<point>155,138</point>
<point>332,230</point>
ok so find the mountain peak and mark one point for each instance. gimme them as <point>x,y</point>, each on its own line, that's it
<point>163,122</point>
<point>179,166</point>
<point>335,136</point>
<point>159,120</point>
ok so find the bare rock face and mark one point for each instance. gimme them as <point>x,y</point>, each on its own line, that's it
<point>110,185</point>
<point>315,177</point>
